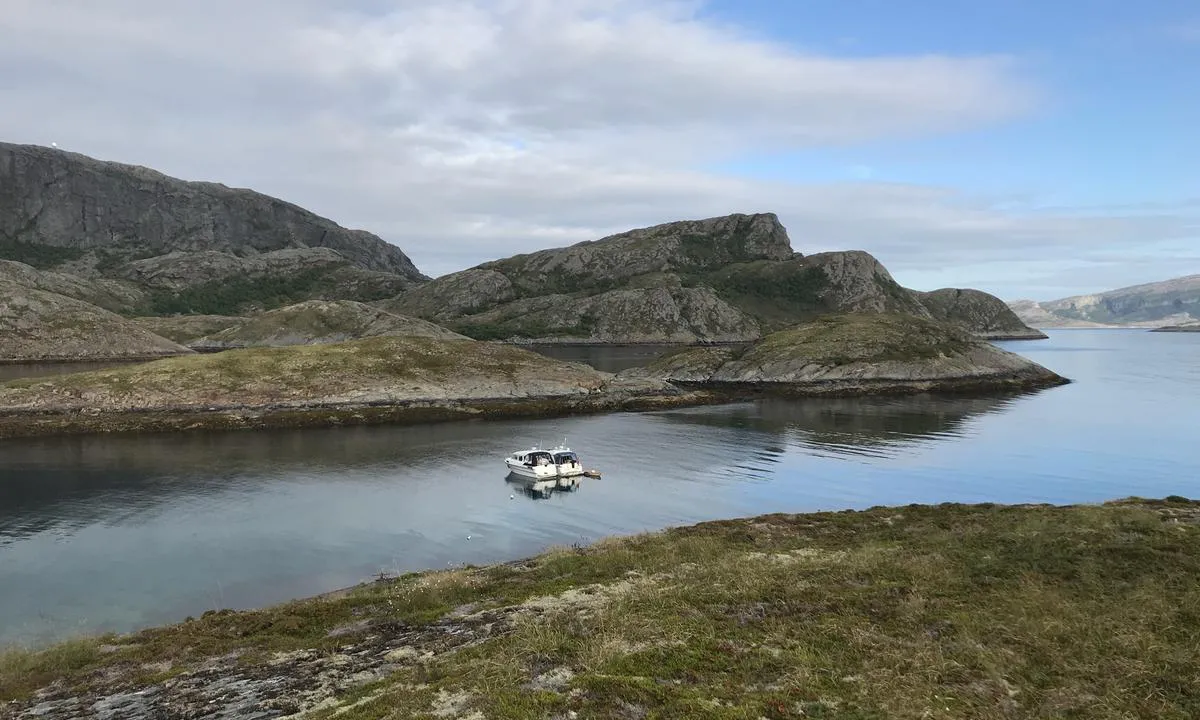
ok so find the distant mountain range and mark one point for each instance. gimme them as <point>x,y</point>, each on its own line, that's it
<point>1166,303</point>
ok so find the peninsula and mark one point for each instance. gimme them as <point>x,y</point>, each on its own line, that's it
<point>947,611</point>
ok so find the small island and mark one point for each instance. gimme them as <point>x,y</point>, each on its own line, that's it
<point>1186,327</point>
<point>855,354</point>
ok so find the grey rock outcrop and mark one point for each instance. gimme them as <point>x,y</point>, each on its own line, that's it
<point>109,294</point>
<point>96,209</point>
<point>977,312</point>
<point>635,259</point>
<point>856,354</point>
<point>317,322</point>
<point>36,325</point>
<point>638,315</point>
<point>857,282</point>
<point>681,247</point>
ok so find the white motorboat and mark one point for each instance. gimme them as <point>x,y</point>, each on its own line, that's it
<point>533,463</point>
<point>566,461</point>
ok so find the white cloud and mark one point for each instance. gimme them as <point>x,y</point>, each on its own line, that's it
<point>464,130</point>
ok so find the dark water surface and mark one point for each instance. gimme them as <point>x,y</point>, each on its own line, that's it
<point>114,533</point>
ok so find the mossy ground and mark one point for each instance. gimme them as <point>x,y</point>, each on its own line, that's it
<point>267,374</point>
<point>946,611</point>
<point>864,337</point>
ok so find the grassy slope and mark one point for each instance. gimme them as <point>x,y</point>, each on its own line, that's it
<point>263,375</point>
<point>833,340</point>
<point>917,612</point>
<point>870,337</point>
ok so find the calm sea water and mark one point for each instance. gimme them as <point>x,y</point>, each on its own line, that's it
<point>116,533</point>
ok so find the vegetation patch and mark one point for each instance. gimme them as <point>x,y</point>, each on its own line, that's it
<point>42,257</point>
<point>525,327</point>
<point>864,337</point>
<point>947,611</point>
<point>774,293</point>
<point>238,295</point>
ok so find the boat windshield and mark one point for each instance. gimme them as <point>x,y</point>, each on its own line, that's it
<point>565,457</point>
<point>535,458</point>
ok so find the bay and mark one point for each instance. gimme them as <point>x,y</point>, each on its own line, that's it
<point>114,533</point>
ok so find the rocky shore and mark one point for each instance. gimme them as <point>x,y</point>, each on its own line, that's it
<point>947,611</point>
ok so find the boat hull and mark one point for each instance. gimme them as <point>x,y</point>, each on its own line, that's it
<point>537,472</point>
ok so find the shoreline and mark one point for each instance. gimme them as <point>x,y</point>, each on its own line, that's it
<point>76,359</point>
<point>50,422</point>
<point>78,421</point>
<point>817,611</point>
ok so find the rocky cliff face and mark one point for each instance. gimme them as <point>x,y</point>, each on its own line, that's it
<point>857,354</point>
<point>977,312</point>
<point>103,219</point>
<point>40,325</point>
<point>318,322</point>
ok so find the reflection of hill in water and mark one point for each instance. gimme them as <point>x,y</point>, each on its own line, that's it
<point>44,481</point>
<point>878,426</point>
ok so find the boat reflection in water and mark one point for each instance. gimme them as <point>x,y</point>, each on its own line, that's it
<point>543,489</point>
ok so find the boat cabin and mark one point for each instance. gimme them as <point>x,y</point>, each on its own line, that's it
<point>564,457</point>
<point>531,458</point>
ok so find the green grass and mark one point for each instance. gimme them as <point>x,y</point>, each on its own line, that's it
<point>870,337</point>
<point>525,327</point>
<point>233,296</point>
<point>946,611</point>
<point>775,293</point>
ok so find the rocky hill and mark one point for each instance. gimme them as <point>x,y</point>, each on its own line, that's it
<point>185,329</point>
<point>317,322</point>
<point>856,353</point>
<point>983,314</point>
<point>723,279</point>
<point>1171,302</point>
<point>112,295</point>
<point>41,325</point>
<point>191,246</point>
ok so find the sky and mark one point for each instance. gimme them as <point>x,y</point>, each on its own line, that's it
<point>1030,149</point>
